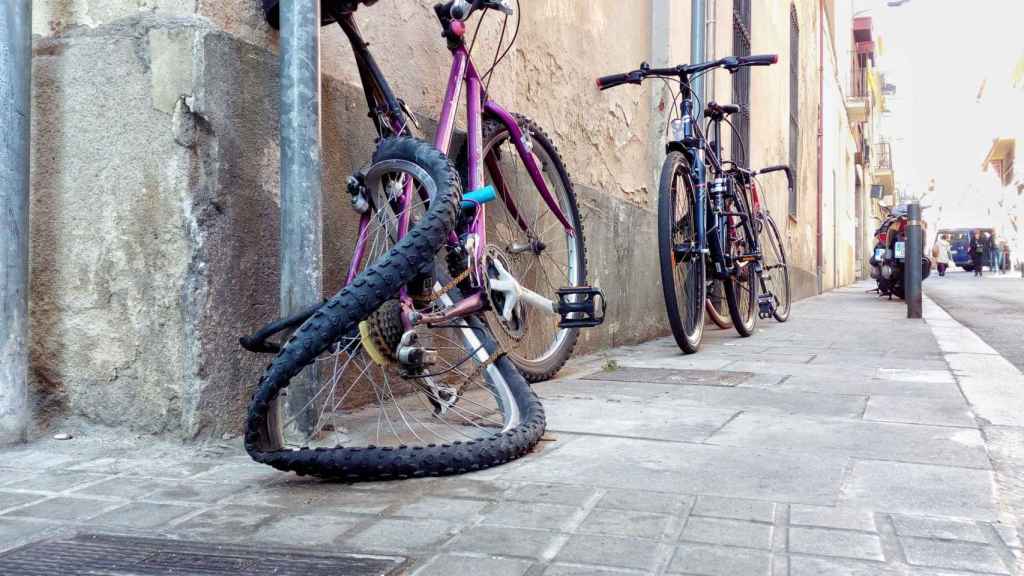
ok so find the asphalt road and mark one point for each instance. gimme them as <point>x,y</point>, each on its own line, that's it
<point>993,307</point>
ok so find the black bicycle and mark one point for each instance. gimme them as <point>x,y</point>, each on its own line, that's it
<point>707,231</point>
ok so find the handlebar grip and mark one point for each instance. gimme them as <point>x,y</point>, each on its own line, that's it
<point>780,168</point>
<point>606,82</point>
<point>759,60</point>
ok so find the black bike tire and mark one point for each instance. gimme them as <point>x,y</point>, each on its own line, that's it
<point>688,343</point>
<point>411,256</point>
<point>539,371</point>
<point>744,329</point>
<point>781,313</point>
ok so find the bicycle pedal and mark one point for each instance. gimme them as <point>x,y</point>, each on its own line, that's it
<point>765,305</point>
<point>580,307</point>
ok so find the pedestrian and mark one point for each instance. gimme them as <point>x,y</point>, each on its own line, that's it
<point>1006,259</point>
<point>977,252</point>
<point>995,255</point>
<point>940,252</point>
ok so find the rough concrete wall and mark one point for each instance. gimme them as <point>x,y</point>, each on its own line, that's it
<point>108,231</point>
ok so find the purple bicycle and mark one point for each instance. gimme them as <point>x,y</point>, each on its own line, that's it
<point>417,366</point>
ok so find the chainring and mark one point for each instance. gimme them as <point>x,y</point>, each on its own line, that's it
<point>516,328</point>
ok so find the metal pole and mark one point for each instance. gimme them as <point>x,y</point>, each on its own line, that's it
<point>15,135</point>
<point>301,219</point>
<point>697,28</point>
<point>912,266</point>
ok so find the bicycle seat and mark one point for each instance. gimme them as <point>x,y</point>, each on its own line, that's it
<point>271,9</point>
<point>716,110</point>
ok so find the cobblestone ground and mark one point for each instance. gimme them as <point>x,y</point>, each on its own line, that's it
<point>840,443</point>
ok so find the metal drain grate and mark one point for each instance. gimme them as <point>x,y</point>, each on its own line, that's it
<point>669,376</point>
<point>106,555</point>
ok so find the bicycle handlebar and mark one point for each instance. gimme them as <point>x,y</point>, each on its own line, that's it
<point>780,168</point>
<point>730,63</point>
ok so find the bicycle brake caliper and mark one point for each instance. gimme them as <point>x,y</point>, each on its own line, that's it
<point>357,190</point>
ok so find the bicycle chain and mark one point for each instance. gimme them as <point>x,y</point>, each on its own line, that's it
<point>449,286</point>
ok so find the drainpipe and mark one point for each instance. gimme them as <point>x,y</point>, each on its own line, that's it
<point>821,140</point>
<point>301,220</point>
<point>15,135</point>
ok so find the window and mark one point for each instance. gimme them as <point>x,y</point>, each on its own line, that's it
<point>794,105</point>
<point>741,80</point>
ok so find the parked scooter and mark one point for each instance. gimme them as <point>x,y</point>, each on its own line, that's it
<point>887,261</point>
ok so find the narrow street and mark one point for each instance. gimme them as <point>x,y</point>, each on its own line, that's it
<point>848,441</point>
<point>992,307</point>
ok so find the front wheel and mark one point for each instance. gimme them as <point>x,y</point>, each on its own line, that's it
<point>683,277</point>
<point>529,241</point>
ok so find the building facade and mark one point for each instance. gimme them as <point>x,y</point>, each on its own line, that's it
<point>155,172</point>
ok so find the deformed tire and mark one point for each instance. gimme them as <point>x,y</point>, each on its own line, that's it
<point>409,258</point>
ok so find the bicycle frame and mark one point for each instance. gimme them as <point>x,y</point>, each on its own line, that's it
<point>391,117</point>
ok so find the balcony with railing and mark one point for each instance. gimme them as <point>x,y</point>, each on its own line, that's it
<point>881,166</point>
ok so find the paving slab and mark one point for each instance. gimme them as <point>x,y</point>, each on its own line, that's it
<point>859,519</point>
<point>452,565</point>
<point>63,509</point>
<point>869,440</point>
<point>939,528</point>
<point>920,489</point>
<point>734,508</point>
<point>953,555</point>
<point>935,412</point>
<point>727,532</point>
<point>691,469</point>
<point>831,542</point>
<point>143,515</point>
<point>666,420</point>
<point>609,551</point>
<point>402,535</point>
<point>626,523</point>
<point>719,561</point>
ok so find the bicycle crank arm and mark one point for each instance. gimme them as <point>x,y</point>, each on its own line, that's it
<point>577,306</point>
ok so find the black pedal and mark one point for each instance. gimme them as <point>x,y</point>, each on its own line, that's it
<point>766,306</point>
<point>586,309</point>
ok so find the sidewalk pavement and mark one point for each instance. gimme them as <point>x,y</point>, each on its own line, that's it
<point>839,443</point>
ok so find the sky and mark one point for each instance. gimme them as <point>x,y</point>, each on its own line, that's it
<point>937,53</point>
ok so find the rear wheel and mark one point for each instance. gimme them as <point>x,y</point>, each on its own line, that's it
<point>776,270</point>
<point>741,282</point>
<point>717,308</point>
<point>357,394</point>
<point>682,264</point>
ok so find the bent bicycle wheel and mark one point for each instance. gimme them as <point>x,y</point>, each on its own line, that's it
<point>682,264</point>
<point>376,397</point>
